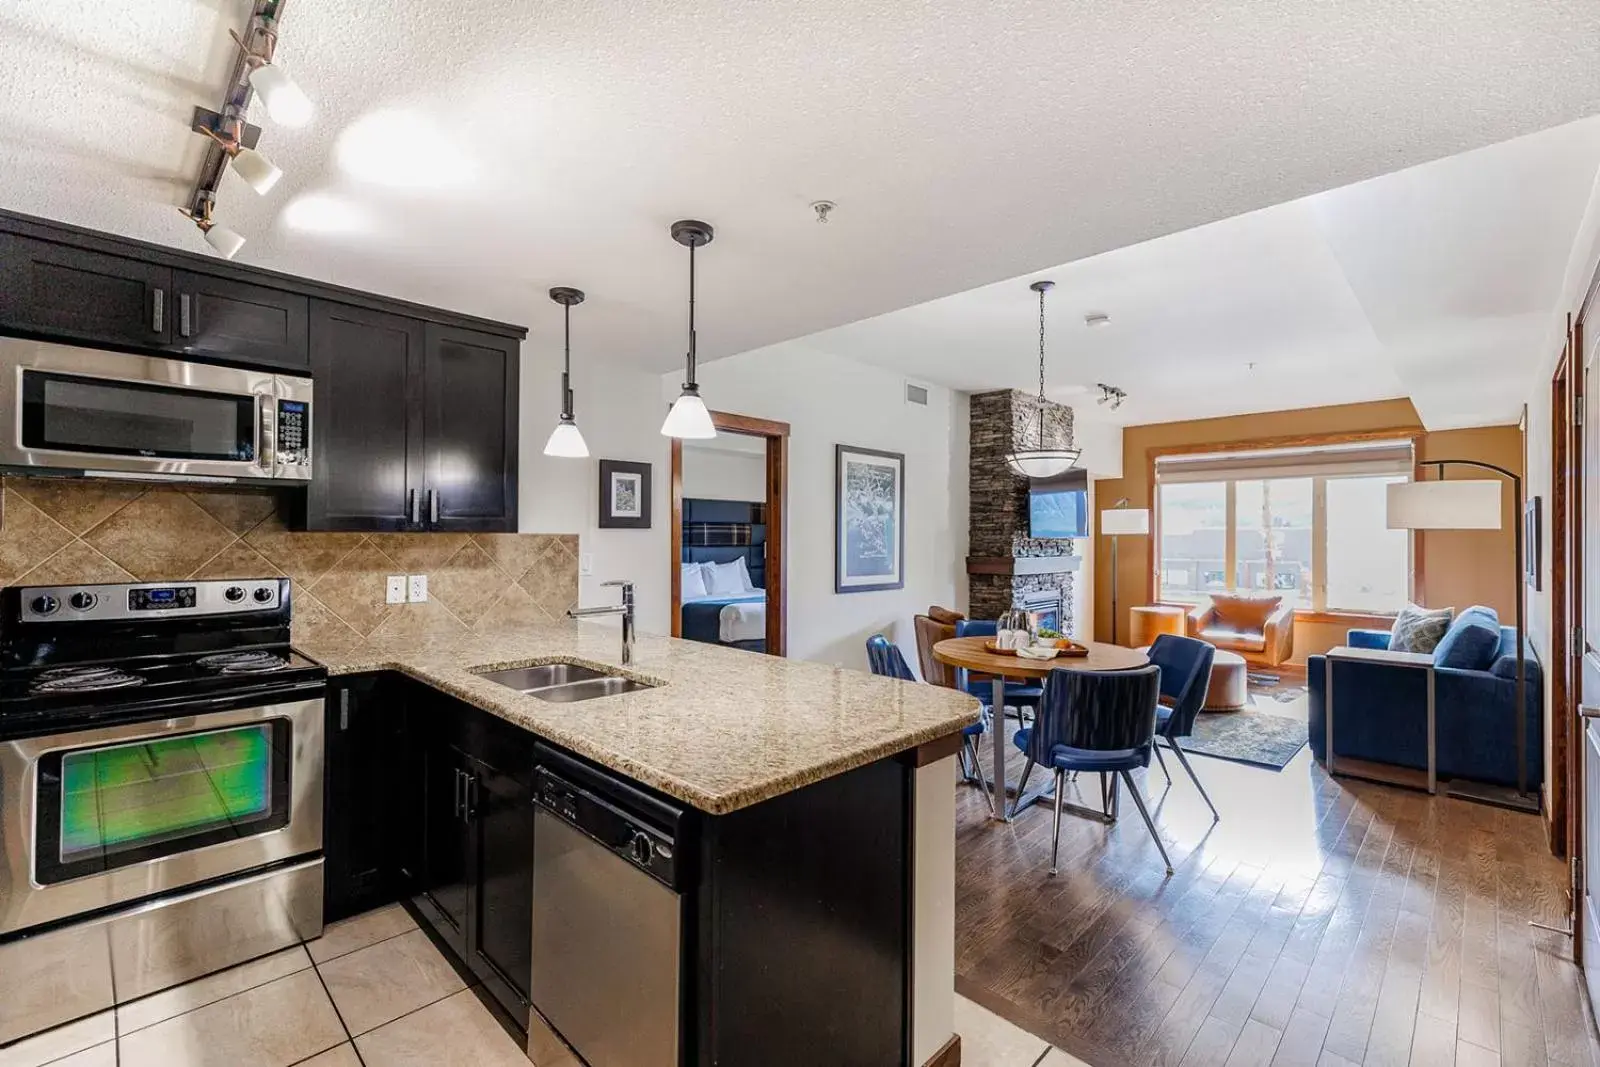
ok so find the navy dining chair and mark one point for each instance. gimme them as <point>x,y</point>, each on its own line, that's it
<point>1102,722</point>
<point>886,660</point>
<point>1019,695</point>
<point>1185,676</point>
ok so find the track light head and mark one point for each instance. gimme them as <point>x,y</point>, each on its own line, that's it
<point>286,102</point>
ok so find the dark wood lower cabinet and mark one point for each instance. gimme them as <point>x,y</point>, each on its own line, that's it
<point>368,808</point>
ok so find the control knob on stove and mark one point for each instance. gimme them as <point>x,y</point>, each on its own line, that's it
<point>263,594</point>
<point>82,600</point>
<point>44,605</point>
<point>233,594</point>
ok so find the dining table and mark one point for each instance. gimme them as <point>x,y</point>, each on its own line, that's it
<point>974,654</point>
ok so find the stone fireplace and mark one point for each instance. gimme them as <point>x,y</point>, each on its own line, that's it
<point>1007,568</point>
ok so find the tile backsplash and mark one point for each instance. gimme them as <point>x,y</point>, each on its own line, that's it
<point>59,531</point>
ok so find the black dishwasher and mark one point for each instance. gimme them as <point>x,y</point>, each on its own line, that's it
<point>608,919</point>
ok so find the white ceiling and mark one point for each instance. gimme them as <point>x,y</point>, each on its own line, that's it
<point>1438,283</point>
<point>553,143</point>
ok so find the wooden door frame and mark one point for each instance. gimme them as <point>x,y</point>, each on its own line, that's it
<point>776,435</point>
<point>1573,767</point>
<point>1566,577</point>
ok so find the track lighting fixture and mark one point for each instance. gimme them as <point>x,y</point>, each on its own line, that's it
<point>224,241</point>
<point>565,440</point>
<point>1110,394</point>
<point>230,134</point>
<point>689,418</point>
<point>286,102</point>
<point>1042,461</point>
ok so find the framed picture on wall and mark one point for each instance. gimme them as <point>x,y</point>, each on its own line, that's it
<point>1532,549</point>
<point>624,495</point>
<point>869,524</point>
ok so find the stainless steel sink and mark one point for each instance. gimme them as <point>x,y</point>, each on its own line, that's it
<point>564,683</point>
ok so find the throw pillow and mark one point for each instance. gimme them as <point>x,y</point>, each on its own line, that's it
<point>727,579</point>
<point>944,616</point>
<point>1471,642</point>
<point>1419,629</point>
<point>693,584</point>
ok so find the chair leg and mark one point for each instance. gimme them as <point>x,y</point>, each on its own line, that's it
<point>1162,763</point>
<point>1022,786</point>
<point>1138,800</point>
<point>970,748</point>
<point>1055,829</point>
<point>1177,750</point>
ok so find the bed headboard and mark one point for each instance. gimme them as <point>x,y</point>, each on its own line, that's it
<point>721,531</point>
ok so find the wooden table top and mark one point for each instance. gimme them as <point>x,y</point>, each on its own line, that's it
<point>969,652</point>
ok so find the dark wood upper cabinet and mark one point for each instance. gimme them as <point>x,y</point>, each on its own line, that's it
<point>84,295</point>
<point>470,430</point>
<point>235,320</point>
<point>366,422</point>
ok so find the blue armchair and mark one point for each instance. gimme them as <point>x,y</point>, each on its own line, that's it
<point>1381,712</point>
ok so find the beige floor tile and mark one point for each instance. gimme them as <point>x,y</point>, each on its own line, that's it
<point>455,1030</point>
<point>272,1025</point>
<point>147,1011</point>
<point>359,931</point>
<point>62,1041</point>
<point>343,1056</point>
<point>100,1056</point>
<point>384,981</point>
<point>990,1041</point>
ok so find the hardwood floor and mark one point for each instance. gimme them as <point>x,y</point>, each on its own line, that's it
<point>1322,923</point>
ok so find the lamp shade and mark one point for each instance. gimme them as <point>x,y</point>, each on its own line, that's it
<point>566,442</point>
<point>1452,505</point>
<point>225,241</point>
<point>1116,522</point>
<point>689,419</point>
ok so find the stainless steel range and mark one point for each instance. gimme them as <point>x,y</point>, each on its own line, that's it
<point>161,765</point>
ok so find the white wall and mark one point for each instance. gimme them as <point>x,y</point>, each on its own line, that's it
<point>714,474</point>
<point>620,413</point>
<point>829,400</point>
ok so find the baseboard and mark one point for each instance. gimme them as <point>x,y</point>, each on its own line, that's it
<point>949,1054</point>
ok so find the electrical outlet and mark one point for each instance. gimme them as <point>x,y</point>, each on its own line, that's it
<point>417,588</point>
<point>586,563</point>
<point>396,593</point>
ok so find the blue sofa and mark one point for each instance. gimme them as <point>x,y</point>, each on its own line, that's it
<point>1382,708</point>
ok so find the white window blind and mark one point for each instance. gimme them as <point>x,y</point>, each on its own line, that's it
<point>1322,461</point>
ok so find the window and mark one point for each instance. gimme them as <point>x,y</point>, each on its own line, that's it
<point>1306,524</point>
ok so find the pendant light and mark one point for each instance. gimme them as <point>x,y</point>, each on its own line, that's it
<point>565,440</point>
<point>1042,461</point>
<point>689,417</point>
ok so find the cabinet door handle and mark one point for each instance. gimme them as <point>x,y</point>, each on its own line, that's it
<point>433,506</point>
<point>158,309</point>
<point>413,507</point>
<point>184,303</point>
<point>469,798</point>
<point>344,709</point>
<point>460,797</point>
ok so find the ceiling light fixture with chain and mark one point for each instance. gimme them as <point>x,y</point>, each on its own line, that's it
<point>1042,461</point>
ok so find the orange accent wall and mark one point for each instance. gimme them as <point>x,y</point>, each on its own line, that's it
<point>1453,568</point>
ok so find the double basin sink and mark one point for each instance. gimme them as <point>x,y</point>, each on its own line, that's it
<point>564,683</point>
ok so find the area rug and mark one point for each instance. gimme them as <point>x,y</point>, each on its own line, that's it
<point>1255,736</point>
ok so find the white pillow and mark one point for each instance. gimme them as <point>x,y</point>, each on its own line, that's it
<point>728,579</point>
<point>693,585</point>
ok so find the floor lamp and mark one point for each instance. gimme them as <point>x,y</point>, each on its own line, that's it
<point>1117,522</point>
<point>1475,505</point>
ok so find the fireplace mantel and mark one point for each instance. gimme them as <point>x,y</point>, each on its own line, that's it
<point>1021,565</point>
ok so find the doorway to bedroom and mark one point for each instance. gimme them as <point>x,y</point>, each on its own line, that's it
<point>729,501</point>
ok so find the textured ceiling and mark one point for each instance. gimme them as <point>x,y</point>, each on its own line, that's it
<point>552,143</point>
<point>1439,283</point>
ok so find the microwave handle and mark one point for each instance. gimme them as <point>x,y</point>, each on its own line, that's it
<point>158,308</point>
<point>263,452</point>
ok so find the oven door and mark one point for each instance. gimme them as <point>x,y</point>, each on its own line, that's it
<point>79,409</point>
<point>99,818</point>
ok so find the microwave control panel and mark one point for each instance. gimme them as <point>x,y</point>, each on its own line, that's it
<point>293,458</point>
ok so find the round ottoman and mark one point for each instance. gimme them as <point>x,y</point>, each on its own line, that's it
<point>1230,682</point>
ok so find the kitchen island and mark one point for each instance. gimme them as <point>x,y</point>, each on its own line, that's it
<point>817,888</point>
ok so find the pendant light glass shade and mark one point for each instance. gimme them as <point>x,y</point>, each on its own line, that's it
<point>566,442</point>
<point>689,419</point>
<point>1040,461</point>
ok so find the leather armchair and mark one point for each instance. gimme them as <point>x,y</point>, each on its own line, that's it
<point>1259,629</point>
<point>932,628</point>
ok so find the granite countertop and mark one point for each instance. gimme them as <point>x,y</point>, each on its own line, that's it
<point>725,729</point>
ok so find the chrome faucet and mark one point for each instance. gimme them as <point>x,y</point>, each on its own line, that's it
<point>625,609</point>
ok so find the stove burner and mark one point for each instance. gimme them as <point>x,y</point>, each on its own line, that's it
<point>83,680</point>
<point>257,662</point>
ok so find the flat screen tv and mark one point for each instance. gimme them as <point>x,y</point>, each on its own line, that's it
<point>1059,507</point>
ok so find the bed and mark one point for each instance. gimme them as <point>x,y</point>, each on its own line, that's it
<point>723,532</point>
<point>740,621</point>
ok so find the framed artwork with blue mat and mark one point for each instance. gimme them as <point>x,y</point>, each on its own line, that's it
<point>869,524</point>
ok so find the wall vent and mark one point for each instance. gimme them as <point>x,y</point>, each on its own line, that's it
<point>916,394</point>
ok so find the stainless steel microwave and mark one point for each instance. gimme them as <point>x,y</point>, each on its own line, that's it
<point>111,414</point>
